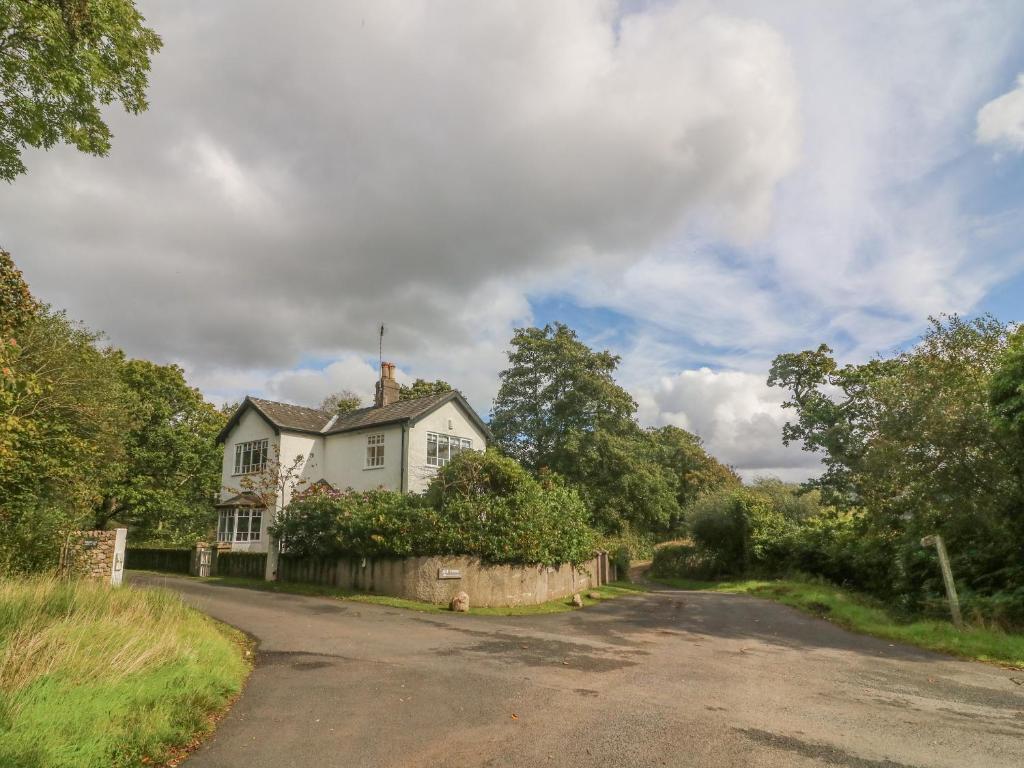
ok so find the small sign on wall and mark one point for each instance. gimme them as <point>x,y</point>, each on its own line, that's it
<point>449,573</point>
<point>89,543</point>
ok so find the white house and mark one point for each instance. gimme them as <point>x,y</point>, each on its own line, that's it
<point>395,444</point>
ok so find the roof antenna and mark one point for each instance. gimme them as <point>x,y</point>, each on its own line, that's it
<point>380,348</point>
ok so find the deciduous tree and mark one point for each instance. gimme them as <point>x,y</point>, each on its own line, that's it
<point>61,61</point>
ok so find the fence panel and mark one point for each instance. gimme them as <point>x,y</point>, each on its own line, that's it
<point>158,559</point>
<point>250,565</point>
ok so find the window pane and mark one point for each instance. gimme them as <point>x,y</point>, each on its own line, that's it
<point>238,459</point>
<point>466,444</point>
<point>242,529</point>
<point>432,449</point>
<point>255,525</point>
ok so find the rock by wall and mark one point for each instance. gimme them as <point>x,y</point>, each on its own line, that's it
<point>439,579</point>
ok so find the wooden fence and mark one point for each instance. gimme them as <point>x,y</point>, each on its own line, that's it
<point>158,559</point>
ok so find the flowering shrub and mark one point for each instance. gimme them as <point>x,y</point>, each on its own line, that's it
<point>480,504</point>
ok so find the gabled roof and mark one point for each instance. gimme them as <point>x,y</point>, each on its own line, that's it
<point>295,418</point>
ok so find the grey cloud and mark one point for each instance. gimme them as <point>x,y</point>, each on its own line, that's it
<point>306,171</point>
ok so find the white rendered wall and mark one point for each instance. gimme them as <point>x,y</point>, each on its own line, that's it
<point>345,460</point>
<point>449,420</point>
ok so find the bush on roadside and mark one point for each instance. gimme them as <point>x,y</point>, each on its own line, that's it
<point>480,504</point>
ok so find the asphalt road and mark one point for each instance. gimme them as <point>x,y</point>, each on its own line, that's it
<point>662,679</point>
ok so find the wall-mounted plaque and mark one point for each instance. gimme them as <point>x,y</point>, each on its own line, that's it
<point>449,573</point>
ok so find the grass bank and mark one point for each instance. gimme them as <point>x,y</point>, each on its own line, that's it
<point>860,613</point>
<point>93,677</point>
<point>606,592</point>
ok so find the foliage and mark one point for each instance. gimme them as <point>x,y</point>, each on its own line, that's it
<point>341,402</point>
<point>919,443</point>
<point>1006,389</point>
<point>92,677</point>
<point>480,504</point>
<point>61,61</point>
<point>172,464</point>
<point>89,436</point>
<point>423,388</point>
<point>555,387</point>
<point>68,445</point>
<point>559,409</point>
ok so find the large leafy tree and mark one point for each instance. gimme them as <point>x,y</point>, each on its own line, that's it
<point>171,470</point>
<point>71,418</point>
<point>61,61</point>
<point>559,408</point>
<point>911,446</point>
<point>422,388</point>
<point>556,386</point>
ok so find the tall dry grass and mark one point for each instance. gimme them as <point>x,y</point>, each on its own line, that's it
<point>85,631</point>
<point>94,676</point>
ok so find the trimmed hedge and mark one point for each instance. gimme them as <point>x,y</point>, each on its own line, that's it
<point>481,504</point>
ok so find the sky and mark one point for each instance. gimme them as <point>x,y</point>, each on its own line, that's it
<point>696,186</point>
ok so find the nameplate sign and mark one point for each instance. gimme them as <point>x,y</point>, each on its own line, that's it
<point>89,544</point>
<point>449,573</point>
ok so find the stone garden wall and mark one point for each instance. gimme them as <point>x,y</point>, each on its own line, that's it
<point>439,579</point>
<point>95,555</point>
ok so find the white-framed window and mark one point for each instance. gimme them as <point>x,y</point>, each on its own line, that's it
<point>240,524</point>
<point>443,448</point>
<point>250,456</point>
<point>375,451</point>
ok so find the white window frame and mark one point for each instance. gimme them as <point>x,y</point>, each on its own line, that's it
<point>251,456</point>
<point>229,528</point>
<point>374,451</point>
<point>442,457</point>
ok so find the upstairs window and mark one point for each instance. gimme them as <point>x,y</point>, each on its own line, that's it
<point>251,456</point>
<point>442,448</point>
<point>375,451</point>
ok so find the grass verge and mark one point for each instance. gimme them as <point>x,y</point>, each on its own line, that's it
<point>860,613</point>
<point>93,677</point>
<point>606,592</point>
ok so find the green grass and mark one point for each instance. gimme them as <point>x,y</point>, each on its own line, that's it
<point>863,614</point>
<point>607,592</point>
<point>93,677</point>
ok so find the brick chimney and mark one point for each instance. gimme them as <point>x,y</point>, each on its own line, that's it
<point>387,387</point>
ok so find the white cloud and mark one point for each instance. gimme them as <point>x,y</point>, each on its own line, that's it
<point>1001,121</point>
<point>737,415</point>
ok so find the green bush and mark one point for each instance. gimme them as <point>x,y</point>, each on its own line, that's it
<point>686,561</point>
<point>480,504</point>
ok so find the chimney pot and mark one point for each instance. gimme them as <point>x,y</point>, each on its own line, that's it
<point>387,387</point>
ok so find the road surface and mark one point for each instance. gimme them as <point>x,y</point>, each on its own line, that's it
<point>667,678</point>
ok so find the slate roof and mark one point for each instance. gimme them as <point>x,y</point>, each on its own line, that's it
<point>296,418</point>
<point>403,410</point>
<point>286,416</point>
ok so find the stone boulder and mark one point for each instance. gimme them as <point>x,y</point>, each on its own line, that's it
<point>460,602</point>
<point>594,595</point>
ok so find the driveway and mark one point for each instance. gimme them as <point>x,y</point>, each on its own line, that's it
<point>667,678</point>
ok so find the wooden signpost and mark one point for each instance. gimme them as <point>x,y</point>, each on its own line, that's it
<point>947,577</point>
